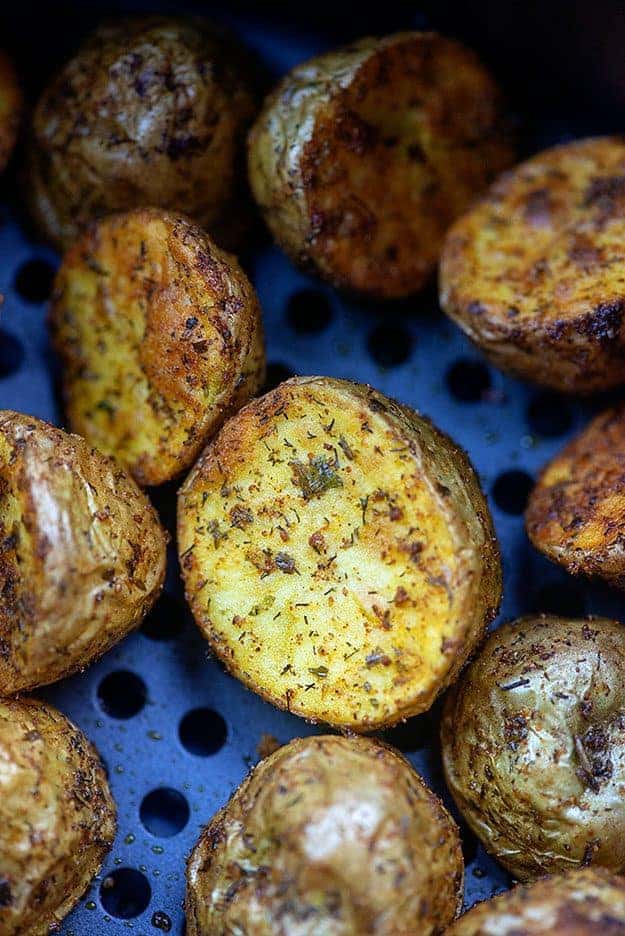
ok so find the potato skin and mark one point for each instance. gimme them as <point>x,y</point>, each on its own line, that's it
<point>82,554</point>
<point>57,816</point>
<point>578,903</point>
<point>533,744</point>
<point>152,110</point>
<point>10,108</point>
<point>362,157</point>
<point>327,836</point>
<point>338,553</point>
<point>531,272</point>
<point>160,335</point>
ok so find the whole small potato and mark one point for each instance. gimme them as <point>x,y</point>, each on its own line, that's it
<point>152,110</point>
<point>57,816</point>
<point>338,553</point>
<point>576,512</point>
<point>533,272</point>
<point>587,902</point>
<point>363,156</point>
<point>533,739</point>
<point>160,335</point>
<point>327,837</point>
<point>10,108</point>
<point>82,554</point>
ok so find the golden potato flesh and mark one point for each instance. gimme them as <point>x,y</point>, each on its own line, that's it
<point>576,512</point>
<point>362,157</point>
<point>579,903</point>
<point>327,837</point>
<point>57,817</point>
<point>160,336</point>
<point>338,553</point>
<point>533,272</point>
<point>10,109</point>
<point>82,554</point>
<point>534,745</point>
<point>151,111</point>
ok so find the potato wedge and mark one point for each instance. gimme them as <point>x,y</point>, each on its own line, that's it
<point>338,553</point>
<point>328,835</point>
<point>578,903</point>
<point>576,512</point>
<point>152,110</point>
<point>533,272</point>
<point>363,156</point>
<point>10,108</point>
<point>160,335</point>
<point>57,817</point>
<point>533,743</point>
<point>82,554</point>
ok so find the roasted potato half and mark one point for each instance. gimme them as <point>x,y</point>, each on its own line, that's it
<point>10,108</point>
<point>533,739</point>
<point>57,816</point>
<point>532,273</point>
<point>576,512</point>
<point>328,836</point>
<point>362,157</point>
<point>152,110</point>
<point>82,554</point>
<point>578,903</point>
<point>160,336</point>
<point>338,553</point>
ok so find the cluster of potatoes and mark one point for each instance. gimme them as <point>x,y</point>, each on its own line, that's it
<point>336,548</point>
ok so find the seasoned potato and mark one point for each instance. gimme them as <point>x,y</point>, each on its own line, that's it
<point>533,274</point>
<point>362,157</point>
<point>338,553</point>
<point>327,837</point>
<point>534,744</point>
<point>82,554</point>
<point>578,903</point>
<point>576,512</point>
<point>57,817</point>
<point>152,110</point>
<point>160,336</point>
<point>10,108</point>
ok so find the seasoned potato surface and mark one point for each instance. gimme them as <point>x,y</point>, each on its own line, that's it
<point>160,335</point>
<point>10,108</point>
<point>57,817</point>
<point>533,273</point>
<point>338,553</point>
<point>362,157</point>
<point>82,554</point>
<point>327,837</point>
<point>152,110</point>
<point>580,903</point>
<point>534,744</point>
<point>576,512</point>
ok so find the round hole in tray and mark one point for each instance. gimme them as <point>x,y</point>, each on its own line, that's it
<point>511,490</point>
<point>125,893</point>
<point>33,280</point>
<point>549,415</point>
<point>468,381</point>
<point>203,732</point>
<point>562,598</point>
<point>390,344</point>
<point>122,694</point>
<point>11,354</point>
<point>164,812</point>
<point>308,311</point>
<point>276,373</point>
<point>166,619</point>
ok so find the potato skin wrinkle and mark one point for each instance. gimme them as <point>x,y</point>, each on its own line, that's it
<point>327,836</point>
<point>160,335</point>
<point>338,553</point>
<point>10,108</point>
<point>57,816</point>
<point>533,744</point>
<point>533,273</point>
<point>151,110</point>
<point>576,512</point>
<point>362,157</point>
<point>82,554</point>
<point>578,903</point>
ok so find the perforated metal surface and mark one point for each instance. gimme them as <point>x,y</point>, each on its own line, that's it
<point>139,704</point>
